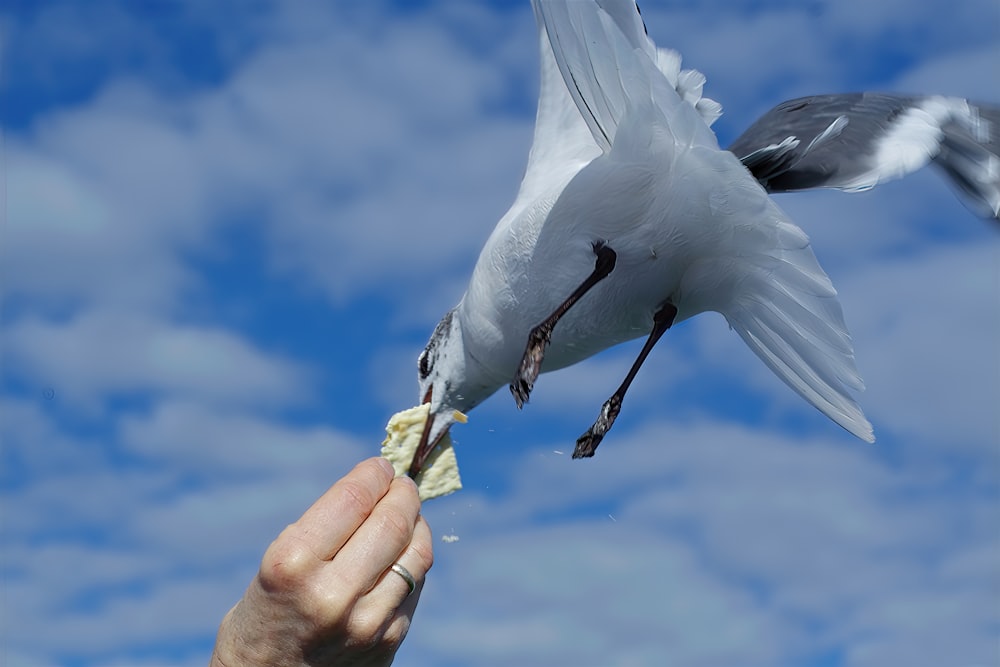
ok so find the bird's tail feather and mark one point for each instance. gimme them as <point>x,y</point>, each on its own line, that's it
<point>788,313</point>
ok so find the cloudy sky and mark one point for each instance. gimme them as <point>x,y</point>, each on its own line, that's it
<point>231,227</point>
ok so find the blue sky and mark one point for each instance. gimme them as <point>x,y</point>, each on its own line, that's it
<point>231,227</point>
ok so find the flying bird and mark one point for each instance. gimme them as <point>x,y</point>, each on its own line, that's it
<point>630,218</point>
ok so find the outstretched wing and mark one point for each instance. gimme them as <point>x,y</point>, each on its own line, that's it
<point>609,63</point>
<point>563,142</point>
<point>856,141</point>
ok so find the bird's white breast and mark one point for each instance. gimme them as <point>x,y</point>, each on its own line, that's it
<point>664,214</point>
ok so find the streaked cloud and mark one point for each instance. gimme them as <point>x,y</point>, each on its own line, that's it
<point>228,237</point>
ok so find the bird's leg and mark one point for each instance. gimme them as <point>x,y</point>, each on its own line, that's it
<point>587,443</point>
<point>538,339</point>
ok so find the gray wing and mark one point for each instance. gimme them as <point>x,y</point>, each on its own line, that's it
<point>855,141</point>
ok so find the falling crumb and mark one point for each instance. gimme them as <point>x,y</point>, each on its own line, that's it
<point>448,539</point>
<point>610,516</point>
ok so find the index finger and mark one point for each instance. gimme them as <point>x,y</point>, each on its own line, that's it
<point>331,521</point>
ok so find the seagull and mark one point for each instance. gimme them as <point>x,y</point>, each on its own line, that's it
<point>630,218</point>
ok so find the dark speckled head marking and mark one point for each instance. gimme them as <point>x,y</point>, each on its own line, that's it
<point>428,358</point>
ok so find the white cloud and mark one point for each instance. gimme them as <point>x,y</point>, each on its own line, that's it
<point>105,558</point>
<point>710,545</point>
<point>340,144</point>
<point>585,594</point>
<point>69,241</point>
<point>370,155</point>
<point>925,328</point>
<point>104,353</point>
<point>963,74</point>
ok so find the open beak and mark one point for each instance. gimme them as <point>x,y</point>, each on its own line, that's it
<point>429,439</point>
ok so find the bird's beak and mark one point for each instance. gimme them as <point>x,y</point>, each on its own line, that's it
<point>435,428</point>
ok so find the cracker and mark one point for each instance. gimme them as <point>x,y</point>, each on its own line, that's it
<point>439,476</point>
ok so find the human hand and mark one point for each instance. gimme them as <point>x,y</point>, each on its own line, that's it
<point>325,593</point>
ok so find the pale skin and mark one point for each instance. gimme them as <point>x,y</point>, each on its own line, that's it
<point>324,594</point>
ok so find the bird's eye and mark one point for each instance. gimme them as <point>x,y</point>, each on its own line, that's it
<point>430,354</point>
<point>423,366</point>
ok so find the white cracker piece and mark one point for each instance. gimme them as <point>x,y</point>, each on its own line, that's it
<point>439,476</point>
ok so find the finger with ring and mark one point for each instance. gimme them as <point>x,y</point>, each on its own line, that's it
<point>411,583</point>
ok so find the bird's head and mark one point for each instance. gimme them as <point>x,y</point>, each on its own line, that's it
<point>441,373</point>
